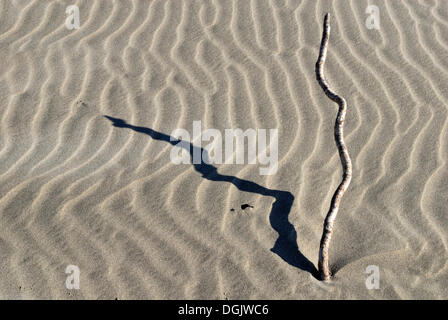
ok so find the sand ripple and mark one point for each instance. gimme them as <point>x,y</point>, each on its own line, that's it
<point>76,190</point>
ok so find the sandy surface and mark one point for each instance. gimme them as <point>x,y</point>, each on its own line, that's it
<point>76,190</point>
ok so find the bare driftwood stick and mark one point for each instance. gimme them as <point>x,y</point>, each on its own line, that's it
<point>324,270</point>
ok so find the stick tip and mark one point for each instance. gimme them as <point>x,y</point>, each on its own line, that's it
<point>327,18</point>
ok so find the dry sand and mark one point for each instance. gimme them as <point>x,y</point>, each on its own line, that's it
<point>76,190</point>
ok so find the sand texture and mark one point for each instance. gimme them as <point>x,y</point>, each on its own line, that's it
<point>101,193</point>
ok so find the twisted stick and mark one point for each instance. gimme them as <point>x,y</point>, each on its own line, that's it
<point>324,270</point>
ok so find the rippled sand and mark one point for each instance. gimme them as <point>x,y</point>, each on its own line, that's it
<point>76,190</point>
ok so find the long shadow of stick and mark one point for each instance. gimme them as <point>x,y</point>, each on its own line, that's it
<point>286,244</point>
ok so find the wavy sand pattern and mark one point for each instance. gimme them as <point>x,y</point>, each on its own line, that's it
<point>75,189</point>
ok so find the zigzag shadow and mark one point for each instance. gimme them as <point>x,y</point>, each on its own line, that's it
<point>286,245</point>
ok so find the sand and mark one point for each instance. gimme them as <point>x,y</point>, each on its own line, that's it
<point>76,190</point>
